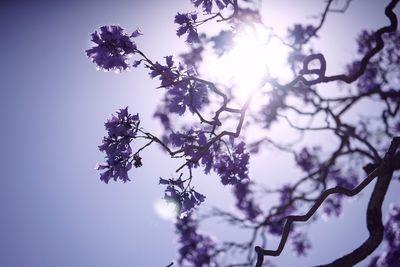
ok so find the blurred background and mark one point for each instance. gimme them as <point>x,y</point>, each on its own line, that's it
<point>54,210</point>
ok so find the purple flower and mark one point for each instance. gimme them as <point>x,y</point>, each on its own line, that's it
<point>185,199</point>
<point>207,4</point>
<point>390,257</point>
<point>187,25</point>
<point>300,244</point>
<point>392,227</point>
<point>392,46</point>
<point>195,249</point>
<point>136,63</point>
<point>299,33</point>
<point>285,194</point>
<point>123,125</point>
<point>208,157</point>
<point>164,181</point>
<point>166,73</point>
<point>233,169</point>
<point>190,199</point>
<point>348,181</point>
<point>332,206</point>
<point>197,97</point>
<point>245,201</point>
<point>112,48</point>
<point>181,92</point>
<point>121,130</point>
<point>137,161</point>
<point>192,142</point>
<point>276,225</point>
<point>369,80</point>
<point>185,94</point>
<point>366,42</point>
<point>172,195</point>
<point>187,138</point>
<point>136,33</point>
<point>307,161</point>
<point>397,127</point>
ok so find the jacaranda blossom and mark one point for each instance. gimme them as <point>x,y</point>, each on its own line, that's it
<point>112,47</point>
<point>187,24</point>
<point>195,249</point>
<point>121,130</point>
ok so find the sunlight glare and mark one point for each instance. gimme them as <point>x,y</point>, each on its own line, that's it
<point>255,57</point>
<point>166,210</point>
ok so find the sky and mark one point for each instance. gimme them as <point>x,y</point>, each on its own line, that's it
<point>53,102</point>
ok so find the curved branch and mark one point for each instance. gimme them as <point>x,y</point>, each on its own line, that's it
<point>374,214</point>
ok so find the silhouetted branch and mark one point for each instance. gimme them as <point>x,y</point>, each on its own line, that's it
<point>374,214</point>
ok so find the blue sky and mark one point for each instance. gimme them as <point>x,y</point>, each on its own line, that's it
<point>53,102</point>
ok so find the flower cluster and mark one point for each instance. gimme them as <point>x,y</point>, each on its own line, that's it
<point>332,207</point>
<point>299,33</point>
<point>196,249</point>
<point>392,226</point>
<point>376,74</point>
<point>186,95</point>
<point>167,74</point>
<point>233,169</point>
<point>205,144</point>
<point>285,198</point>
<point>308,161</point>
<point>285,201</point>
<point>207,5</point>
<point>300,244</point>
<point>336,176</point>
<point>190,141</point>
<point>245,201</point>
<point>365,42</point>
<point>112,48</point>
<point>369,80</point>
<point>392,48</point>
<point>182,94</point>
<point>392,237</point>
<point>187,139</point>
<point>187,24</point>
<point>397,127</point>
<point>185,199</point>
<point>121,129</point>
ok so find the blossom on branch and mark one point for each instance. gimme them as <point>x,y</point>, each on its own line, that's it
<point>187,24</point>
<point>121,129</point>
<point>207,5</point>
<point>195,249</point>
<point>112,48</point>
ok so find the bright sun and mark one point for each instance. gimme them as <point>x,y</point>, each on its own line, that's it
<point>255,56</point>
<point>165,210</point>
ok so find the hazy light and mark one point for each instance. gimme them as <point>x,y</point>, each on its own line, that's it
<point>254,58</point>
<point>166,210</point>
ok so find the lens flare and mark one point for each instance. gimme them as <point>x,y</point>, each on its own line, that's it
<point>255,57</point>
<point>166,210</point>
